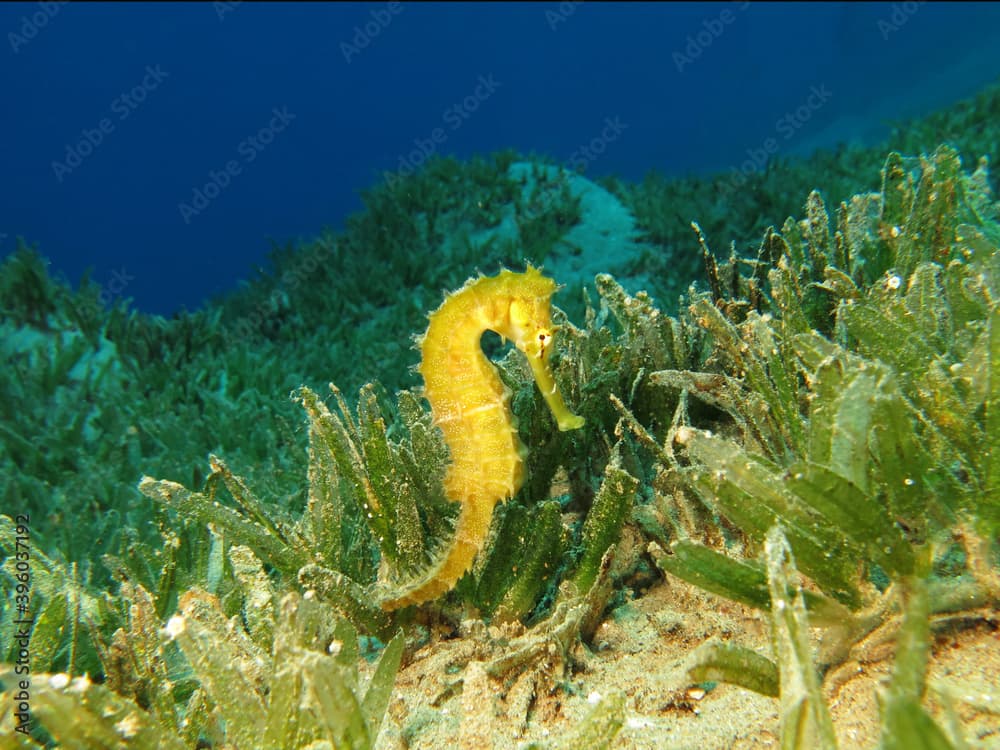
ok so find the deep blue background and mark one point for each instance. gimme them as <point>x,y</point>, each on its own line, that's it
<point>117,211</point>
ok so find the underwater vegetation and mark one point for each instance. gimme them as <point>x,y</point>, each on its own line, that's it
<point>739,205</point>
<point>813,434</point>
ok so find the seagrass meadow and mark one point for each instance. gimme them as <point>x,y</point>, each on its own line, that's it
<point>777,525</point>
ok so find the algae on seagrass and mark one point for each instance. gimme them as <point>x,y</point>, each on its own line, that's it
<point>863,421</point>
<point>292,683</point>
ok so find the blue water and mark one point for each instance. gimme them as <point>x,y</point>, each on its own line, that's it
<point>167,146</point>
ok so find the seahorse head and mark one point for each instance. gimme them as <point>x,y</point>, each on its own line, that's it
<point>529,325</point>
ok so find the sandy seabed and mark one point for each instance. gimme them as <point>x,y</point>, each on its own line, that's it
<point>445,699</point>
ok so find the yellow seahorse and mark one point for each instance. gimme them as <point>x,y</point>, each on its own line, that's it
<point>470,404</point>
